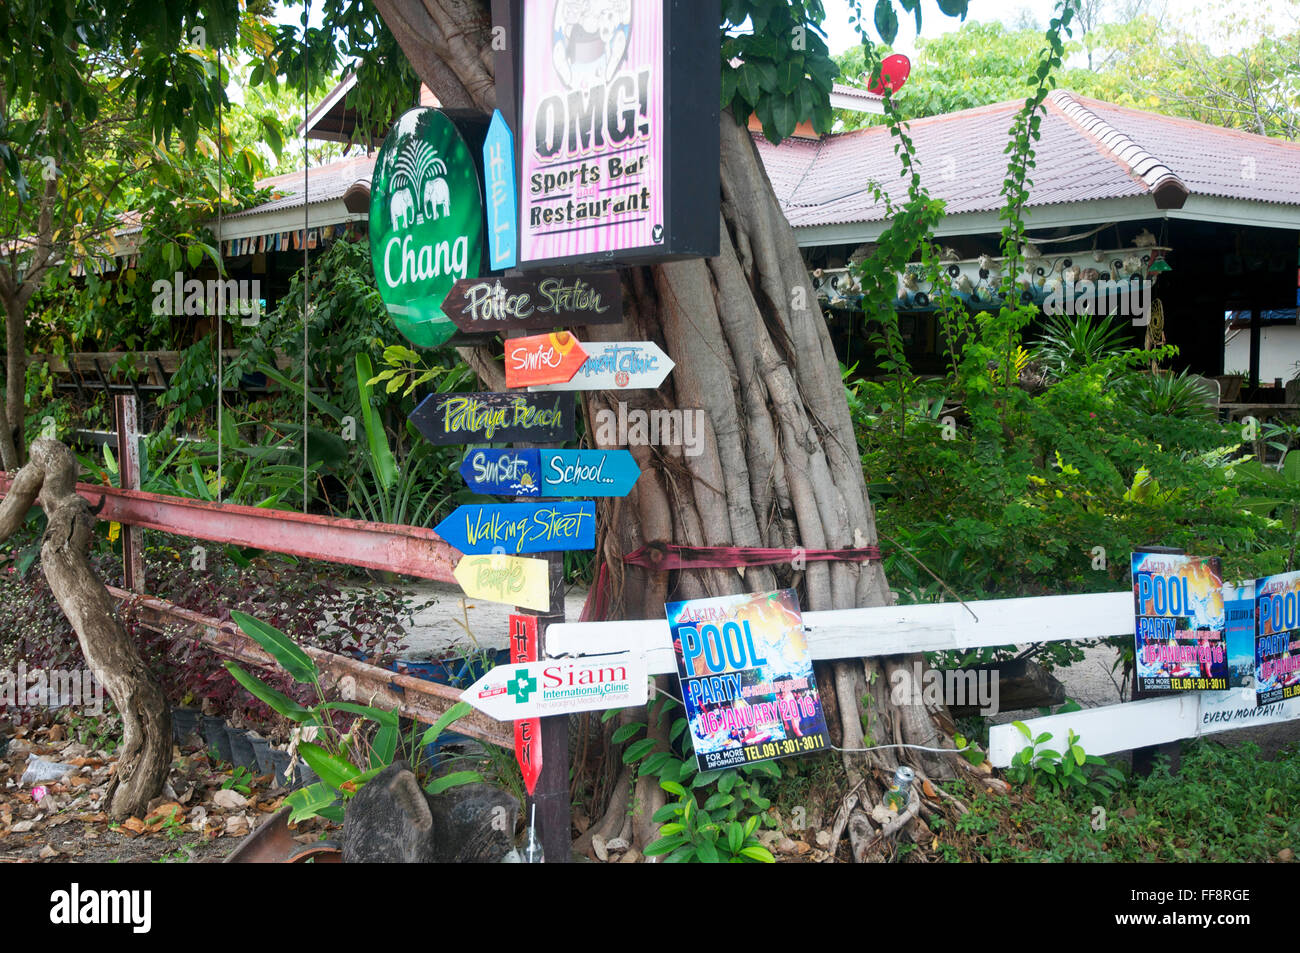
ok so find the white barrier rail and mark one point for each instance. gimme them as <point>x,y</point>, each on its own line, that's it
<point>885,630</point>
<point>902,630</point>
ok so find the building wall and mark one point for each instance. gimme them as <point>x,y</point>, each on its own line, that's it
<point>1279,350</point>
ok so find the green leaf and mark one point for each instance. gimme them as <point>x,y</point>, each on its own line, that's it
<point>283,649</point>
<point>664,845</point>
<point>381,455</point>
<point>672,787</point>
<point>665,813</point>
<point>954,8</point>
<point>455,779</point>
<point>458,710</point>
<point>637,751</point>
<point>333,770</point>
<point>310,801</point>
<point>789,72</point>
<point>280,703</point>
<point>735,837</point>
<point>760,854</point>
<point>886,21</point>
<point>384,718</point>
<point>626,731</point>
<point>784,115</point>
<point>707,852</point>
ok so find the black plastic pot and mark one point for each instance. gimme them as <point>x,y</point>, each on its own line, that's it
<point>280,764</point>
<point>241,752</point>
<point>185,722</point>
<point>216,738</point>
<point>262,752</point>
<point>306,776</point>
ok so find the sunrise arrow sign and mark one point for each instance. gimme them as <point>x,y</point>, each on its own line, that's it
<point>587,472</point>
<point>516,528</point>
<point>543,359</point>
<point>560,686</point>
<point>617,365</point>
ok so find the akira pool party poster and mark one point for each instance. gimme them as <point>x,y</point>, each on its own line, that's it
<point>747,678</point>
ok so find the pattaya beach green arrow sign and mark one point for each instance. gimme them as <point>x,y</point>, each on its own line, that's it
<point>426,222</point>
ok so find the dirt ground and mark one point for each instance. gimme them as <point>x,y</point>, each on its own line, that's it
<point>202,815</point>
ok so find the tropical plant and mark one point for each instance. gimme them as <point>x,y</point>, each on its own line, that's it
<point>1069,342</point>
<point>344,760</point>
<point>716,813</point>
<point>1164,394</point>
<point>1072,770</point>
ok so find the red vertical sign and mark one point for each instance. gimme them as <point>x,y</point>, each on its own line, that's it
<point>528,732</point>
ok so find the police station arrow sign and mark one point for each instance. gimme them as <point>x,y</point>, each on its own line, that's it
<point>496,305</point>
<point>560,686</point>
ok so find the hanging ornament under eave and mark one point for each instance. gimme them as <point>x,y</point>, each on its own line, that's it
<point>1159,266</point>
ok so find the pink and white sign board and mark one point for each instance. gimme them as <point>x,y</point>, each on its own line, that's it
<point>592,128</point>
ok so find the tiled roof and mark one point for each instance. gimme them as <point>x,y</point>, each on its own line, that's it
<point>1088,150</point>
<point>325,184</point>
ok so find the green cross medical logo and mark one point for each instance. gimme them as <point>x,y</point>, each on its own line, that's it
<point>426,222</point>
<point>521,686</point>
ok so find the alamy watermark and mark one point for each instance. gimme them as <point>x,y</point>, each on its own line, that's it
<point>956,688</point>
<point>651,428</point>
<point>51,688</point>
<point>173,296</point>
<point>1129,299</point>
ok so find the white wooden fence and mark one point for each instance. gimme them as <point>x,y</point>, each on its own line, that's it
<point>901,630</point>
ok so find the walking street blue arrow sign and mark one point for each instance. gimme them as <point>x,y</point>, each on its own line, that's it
<point>504,472</point>
<point>516,528</point>
<point>588,472</point>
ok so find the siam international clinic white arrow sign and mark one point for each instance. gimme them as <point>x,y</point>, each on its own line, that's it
<point>559,686</point>
<point>618,365</point>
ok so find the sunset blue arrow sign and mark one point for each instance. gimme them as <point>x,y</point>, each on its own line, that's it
<point>505,472</point>
<point>588,472</point>
<point>515,528</point>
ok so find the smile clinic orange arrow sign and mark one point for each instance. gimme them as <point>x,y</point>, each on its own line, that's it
<point>543,359</point>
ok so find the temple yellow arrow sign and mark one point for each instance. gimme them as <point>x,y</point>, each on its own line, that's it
<point>512,580</point>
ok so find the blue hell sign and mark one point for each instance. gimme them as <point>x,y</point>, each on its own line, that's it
<point>501,200</point>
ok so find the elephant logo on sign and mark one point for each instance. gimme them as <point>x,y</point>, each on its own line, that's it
<point>401,207</point>
<point>437,198</point>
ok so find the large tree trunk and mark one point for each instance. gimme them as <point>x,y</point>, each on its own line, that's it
<point>780,465</point>
<point>13,410</point>
<point>145,754</point>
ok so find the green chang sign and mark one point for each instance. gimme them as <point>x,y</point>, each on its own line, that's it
<point>426,222</point>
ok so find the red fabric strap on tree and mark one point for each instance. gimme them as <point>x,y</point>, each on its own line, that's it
<point>666,556</point>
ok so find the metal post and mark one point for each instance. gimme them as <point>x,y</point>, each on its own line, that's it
<point>552,794</point>
<point>128,466</point>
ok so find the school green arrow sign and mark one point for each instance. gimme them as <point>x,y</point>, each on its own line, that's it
<point>426,222</point>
